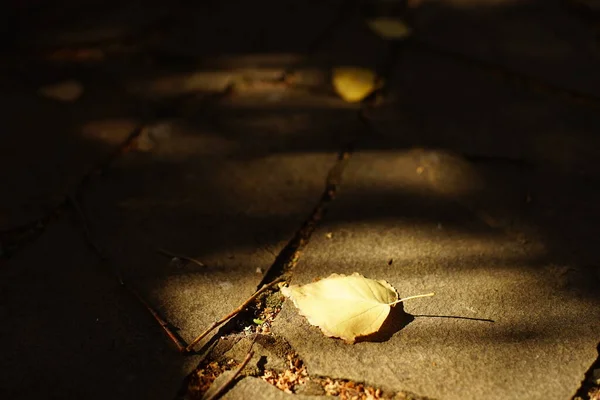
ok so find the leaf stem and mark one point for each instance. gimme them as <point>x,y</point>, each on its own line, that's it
<point>412,297</point>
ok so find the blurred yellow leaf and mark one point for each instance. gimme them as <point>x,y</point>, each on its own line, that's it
<point>66,91</point>
<point>389,28</point>
<point>343,306</point>
<point>354,84</point>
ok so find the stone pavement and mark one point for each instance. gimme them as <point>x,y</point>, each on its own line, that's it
<point>476,178</point>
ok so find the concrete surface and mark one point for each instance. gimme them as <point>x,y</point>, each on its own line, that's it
<point>47,146</point>
<point>207,197</point>
<point>388,224</point>
<point>73,332</point>
<point>496,211</point>
<point>541,39</point>
<point>491,230</point>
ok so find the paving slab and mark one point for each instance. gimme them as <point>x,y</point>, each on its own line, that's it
<point>390,222</point>
<point>540,39</point>
<point>521,159</point>
<point>65,143</point>
<point>441,103</point>
<point>71,331</point>
<point>229,200</point>
<point>221,199</point>
<point>47,146</point>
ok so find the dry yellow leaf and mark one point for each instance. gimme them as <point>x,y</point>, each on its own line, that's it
<point>354,84</point>
<point>66,91</point>
<point>389,28</point>
<point>343,306</point>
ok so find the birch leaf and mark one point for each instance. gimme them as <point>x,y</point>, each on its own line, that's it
<point>354,84</point>
<point>343,306</point>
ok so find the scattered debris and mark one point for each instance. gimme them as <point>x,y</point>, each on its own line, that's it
<point>228,382</point>
<point>226,318</point>
<point>289,379</point>
<point>201,380</point>
<point>348,390</point>
<point>268,307</point>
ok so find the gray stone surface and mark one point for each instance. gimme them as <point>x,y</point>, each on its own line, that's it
<point>540,39</point>
<point>71,331</point>
<point>270,351</point>
<point>222,199</point>
<point>502,229</point>
<point>391,223</point>
<point>226,199</point>
<point>441,103</point>
<point>46,146</point>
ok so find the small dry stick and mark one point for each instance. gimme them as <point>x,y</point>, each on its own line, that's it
<point>181,257</point>
<point>163,324</point>
<point>239,369</point>
<point>245,304</point>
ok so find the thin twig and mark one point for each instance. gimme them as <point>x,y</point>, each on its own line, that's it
<point>181,257</point>
<point>245,304</point>
<point>163,324</point>
<point>239,369</point>
<point>90,240</point>
<point>85,226</point>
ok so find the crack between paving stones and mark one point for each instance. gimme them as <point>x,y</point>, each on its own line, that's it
<point>292,379</point>
<point>16,239</point>
<point>289,256</point>
<point>516,79</point>
<point>287,259</point>
<point>283,264</point>
<point>589,389</point>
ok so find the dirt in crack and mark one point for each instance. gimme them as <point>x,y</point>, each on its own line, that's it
<point>275,362</point>
<point>15,239</point>
<point>257,318</point>
<point>289,256</point>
